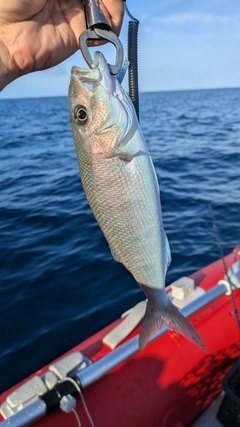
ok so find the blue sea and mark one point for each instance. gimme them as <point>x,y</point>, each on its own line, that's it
<point>58,281</point>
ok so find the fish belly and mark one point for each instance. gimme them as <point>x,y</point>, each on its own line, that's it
<point>124,198</point>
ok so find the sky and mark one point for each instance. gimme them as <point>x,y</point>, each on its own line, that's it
<point>183,44</point>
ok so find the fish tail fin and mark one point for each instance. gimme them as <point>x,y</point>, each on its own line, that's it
<point>160,309</point>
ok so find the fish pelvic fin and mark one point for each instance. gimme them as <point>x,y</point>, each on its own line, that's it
<point>160,309</point>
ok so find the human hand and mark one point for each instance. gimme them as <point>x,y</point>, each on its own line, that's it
<point>38,34</point>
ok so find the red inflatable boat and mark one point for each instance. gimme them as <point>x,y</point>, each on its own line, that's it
<point>168,384</point>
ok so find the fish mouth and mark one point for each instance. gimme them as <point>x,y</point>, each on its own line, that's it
<point>100,73</point>
<point>84,74</point>
<point>100,62</point>
<point>100,65</point>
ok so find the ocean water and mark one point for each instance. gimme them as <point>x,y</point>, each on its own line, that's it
<point>58,281</point>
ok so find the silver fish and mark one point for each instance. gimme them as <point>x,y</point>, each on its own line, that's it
<point>121,186</point>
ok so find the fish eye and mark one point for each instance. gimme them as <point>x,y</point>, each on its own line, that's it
<point>80,114</point>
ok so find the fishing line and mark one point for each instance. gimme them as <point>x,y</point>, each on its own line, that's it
<point>236,313</point>
<point>83,402</point>
<point>133,59</point>
<point>77,418</point>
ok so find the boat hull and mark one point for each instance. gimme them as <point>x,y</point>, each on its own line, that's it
<point>169,383</point>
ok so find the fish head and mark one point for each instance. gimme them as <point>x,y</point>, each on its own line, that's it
<point>101,113</point>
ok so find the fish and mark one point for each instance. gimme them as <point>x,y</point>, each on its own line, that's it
<point>121,187</point>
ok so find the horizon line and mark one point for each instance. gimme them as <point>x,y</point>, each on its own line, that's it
<point>2,98</point>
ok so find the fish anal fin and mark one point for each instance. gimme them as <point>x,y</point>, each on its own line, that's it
<point>161,310</point>
<point>114,255</point>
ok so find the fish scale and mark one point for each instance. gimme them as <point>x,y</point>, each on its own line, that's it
<point>120,183</point>
<point>118,207</point>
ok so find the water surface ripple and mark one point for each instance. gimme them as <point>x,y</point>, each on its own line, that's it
<point>58,281</point>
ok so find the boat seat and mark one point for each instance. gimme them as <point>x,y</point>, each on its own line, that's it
<point>131,319</point>
<point>183,291</point>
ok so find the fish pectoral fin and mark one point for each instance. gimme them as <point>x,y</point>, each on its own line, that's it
<point>160,309</point>
<point>127,158</point>
<point>124,155</point>
<point>114,255</point>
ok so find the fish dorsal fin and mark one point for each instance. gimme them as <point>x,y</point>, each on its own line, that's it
<point>167,253</point>
<point>155,175</point>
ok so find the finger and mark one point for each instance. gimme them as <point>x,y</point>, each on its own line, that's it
<point>115,10</point>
